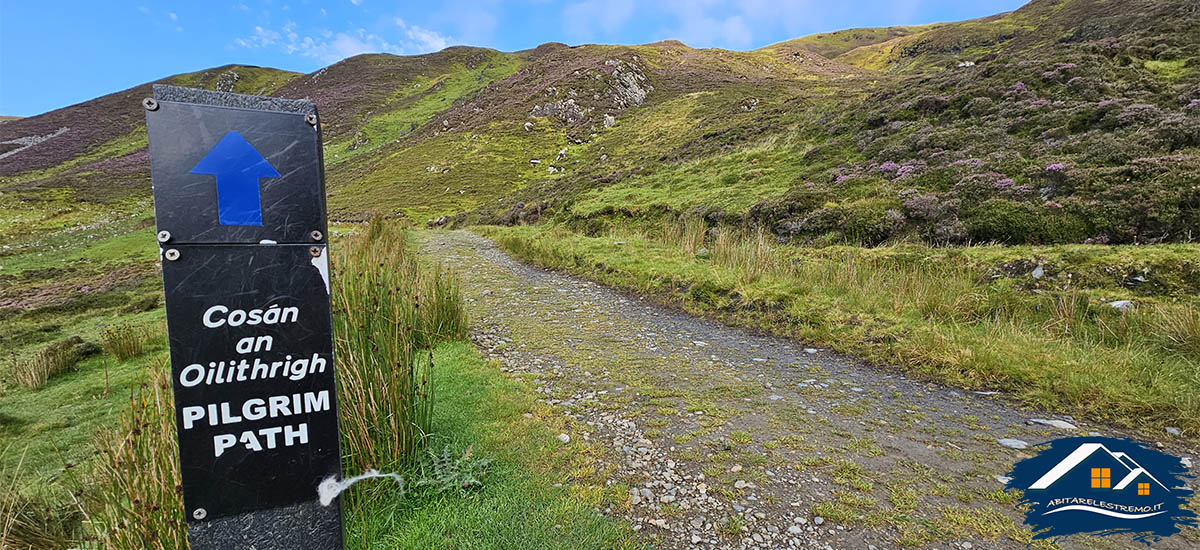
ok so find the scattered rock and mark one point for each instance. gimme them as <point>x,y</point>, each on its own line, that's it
<point>1012,443</point>
<point>1060,424</point>
<point>528,126</point>
<point>1121,305</point>
<point>609,121</point>
<point>1003,479</point>
<point>1172,430</point>
<point>564,438</point>
<point>818,520</point>
<point>1038,272</point>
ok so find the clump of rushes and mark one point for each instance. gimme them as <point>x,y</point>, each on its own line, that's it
<point>124,341</point>
<point>138,501</point>
<point>388,313</point>
<point>52,361</point>
<point>27,523</point>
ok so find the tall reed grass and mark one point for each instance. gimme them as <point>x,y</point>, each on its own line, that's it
<point>389,311</point>
<point>136,503</point>
<point>124,341</point>
<point>945,293</point>
<point>26,524</point>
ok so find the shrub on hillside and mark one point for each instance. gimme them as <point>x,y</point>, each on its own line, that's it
<point>867,222</point>
<point>1005,221</point>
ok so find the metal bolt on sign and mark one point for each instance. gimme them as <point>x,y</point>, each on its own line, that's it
<point>150,104</point>
<point>316,235</point>
<point>171,254</point>
<point>164,236</point>
<point>311,119</point>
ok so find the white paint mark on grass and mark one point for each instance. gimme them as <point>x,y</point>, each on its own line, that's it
<point>331,487</point>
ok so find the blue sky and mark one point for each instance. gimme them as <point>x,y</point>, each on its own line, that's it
<point>57,53</point>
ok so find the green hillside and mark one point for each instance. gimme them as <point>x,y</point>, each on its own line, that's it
<point>1080,112</point>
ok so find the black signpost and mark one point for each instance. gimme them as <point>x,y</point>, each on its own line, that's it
<point>239,199</point>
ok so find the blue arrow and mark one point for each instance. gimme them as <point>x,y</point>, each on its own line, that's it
<point>237,166</point>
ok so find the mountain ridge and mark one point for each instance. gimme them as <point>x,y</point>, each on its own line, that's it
<point>880,140</point>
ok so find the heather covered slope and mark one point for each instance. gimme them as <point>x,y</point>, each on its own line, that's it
<point>1065,121</point>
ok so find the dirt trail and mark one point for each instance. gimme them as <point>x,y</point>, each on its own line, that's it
<point>729,439</point>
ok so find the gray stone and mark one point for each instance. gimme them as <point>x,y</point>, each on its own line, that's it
<point>1060,424</point>
<point>1038,272</point>
<point>1172,430</point>
<point>818,520</point>
<point>564,438</point>
<point>1012,443</point>
<point>1121,305</point>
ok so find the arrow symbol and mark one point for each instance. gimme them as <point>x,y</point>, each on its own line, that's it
<point>237,167</point>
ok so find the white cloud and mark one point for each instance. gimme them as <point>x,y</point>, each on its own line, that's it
<point>582,19</point>
<point>241,7</point>
<point>173,16</point>
<point>733,23</point>
<point>423,39</point>
<point>260,39</point>
<point>356,2</point>
<point>706,23</point>
<point>330,47</point>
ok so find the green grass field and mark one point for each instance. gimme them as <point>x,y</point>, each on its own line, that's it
<point>529,498</point>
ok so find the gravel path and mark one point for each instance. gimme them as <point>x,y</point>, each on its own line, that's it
<point>725,438</point>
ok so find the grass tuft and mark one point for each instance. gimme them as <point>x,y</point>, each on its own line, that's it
<point>388,313</point>
<point>138,503</point>
<point>124,341</point>
<point>51,361</point>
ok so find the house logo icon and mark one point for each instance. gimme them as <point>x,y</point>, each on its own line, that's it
<point>1105,486</point>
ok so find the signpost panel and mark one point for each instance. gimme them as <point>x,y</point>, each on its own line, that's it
<point>239,204</point>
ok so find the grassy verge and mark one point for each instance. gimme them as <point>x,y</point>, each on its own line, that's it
<point>1060,348</point>
<point>527,499</point>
